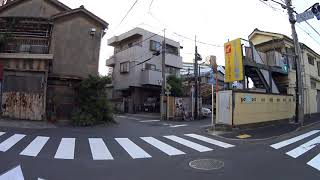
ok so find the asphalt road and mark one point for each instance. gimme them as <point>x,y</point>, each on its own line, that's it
<point>41,153</point>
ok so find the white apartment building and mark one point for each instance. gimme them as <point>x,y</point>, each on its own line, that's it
<point>135,78</point>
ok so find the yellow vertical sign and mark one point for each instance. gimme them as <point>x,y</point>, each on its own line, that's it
<point>234,61</point>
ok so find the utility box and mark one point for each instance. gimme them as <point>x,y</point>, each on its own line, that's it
<point>236,108</point>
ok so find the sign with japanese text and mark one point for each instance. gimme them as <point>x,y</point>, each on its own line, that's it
<point>234,61</point>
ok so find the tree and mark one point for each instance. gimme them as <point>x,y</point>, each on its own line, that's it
<point>92,105</point>
<point>176,85</point>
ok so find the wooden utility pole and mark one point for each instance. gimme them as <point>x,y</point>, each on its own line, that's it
<point>300,90</point>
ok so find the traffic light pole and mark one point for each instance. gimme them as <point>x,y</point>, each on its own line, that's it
<point>300,94</point>
<point>163,76</point>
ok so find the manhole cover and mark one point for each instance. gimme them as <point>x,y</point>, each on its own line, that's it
<point>206,164</point>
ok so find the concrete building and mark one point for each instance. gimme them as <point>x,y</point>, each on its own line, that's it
<point>46,48</point>
<point>135,78</point>
<point>279,48</point>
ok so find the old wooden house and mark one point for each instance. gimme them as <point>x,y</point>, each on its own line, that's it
<point>45,49</point>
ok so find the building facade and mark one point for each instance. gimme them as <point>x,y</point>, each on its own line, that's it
<point>137,67</point>
<point>281,48</point>
<point>46,48</point>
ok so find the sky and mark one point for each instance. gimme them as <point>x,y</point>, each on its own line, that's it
<point>213,22</point>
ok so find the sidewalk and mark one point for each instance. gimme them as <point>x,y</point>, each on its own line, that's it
<point>266,131</point>
<point>26,124</point>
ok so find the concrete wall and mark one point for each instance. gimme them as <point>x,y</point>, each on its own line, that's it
<point>76,52</point>
<point>251,108</point>
<point>32,8</point>
<point>262,108</point>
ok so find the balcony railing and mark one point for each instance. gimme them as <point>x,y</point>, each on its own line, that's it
<point>27,46</point>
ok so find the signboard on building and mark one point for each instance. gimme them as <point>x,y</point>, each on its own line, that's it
<point>234,61</point>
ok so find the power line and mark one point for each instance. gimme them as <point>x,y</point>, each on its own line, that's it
<point>150,5</point>
<point>308,33</point>
<point>205,43</point>
<point>127,13</point>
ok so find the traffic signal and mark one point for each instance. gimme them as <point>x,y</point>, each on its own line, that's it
<point>316,10</point>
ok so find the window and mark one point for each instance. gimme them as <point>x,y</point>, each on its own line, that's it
<point>172,70</point>
<point>154,45</point>
<point>124,67</point>
<point>318,66</point>
<point>313,84</point>
<point>150,67</point>
<point>172,50</point>
<point>311,60</point>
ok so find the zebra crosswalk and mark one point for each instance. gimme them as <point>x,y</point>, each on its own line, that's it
<point>299,150</point>
<point>102,149</point>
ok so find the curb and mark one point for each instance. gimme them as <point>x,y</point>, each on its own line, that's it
<point>268,138</point>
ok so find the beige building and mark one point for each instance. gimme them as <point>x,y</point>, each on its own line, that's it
<point>136,70</point>
<point>46,48</point>
<point>268,42</point>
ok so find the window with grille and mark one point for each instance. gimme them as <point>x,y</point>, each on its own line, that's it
<point>311,60</point>
<point>154,45</point>
<point>124,67</point>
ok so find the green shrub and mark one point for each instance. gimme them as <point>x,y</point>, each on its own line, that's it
<point>92,105</point>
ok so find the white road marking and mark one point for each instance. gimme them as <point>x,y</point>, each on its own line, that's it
<point>2,133</point>
<point>13,174</point>
<point>34,148</point>
<point>146,121</point>
<point>304,148</point>
<point>179,125</point>
<point>171,151</point>
<point>189,144</point>
<point>66,149</point>
<point>99,149</point>
<point>132,149</point>
<point>210,141</point>
<point>293,140</point>
<point>315,162</point>
<point>11,141</point>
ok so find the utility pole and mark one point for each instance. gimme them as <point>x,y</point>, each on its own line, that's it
<point>300,90</point>
<point>196,79</point>
<point>163,75</point>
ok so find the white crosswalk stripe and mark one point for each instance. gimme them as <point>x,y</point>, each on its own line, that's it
<point>99,149</point>
<point>66,149</point>
<point>315,162</point>
<point>293,140</point>
<point>210,141</point>
<point>2,133</point>
<point>304,148</point>
<point>133,150</point>
<point>169,150</point>
<point>11,141</point>
<point>189,144</point>
<point>34,148</point>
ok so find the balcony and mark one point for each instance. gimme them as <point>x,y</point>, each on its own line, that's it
<point>25,46</point>
<point>151,77</point>
<point>111,61</point>
<point>174,61</point>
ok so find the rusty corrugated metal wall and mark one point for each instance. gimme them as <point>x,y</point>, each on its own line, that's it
<point>23,95</point>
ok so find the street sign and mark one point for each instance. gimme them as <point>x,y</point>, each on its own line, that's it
<point>212,80</point>
<point>305,16</point>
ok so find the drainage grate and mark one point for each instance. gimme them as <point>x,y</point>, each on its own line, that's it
<point>206,164</point>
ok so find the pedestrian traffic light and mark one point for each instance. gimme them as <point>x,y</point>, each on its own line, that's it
<point>316,10</point>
